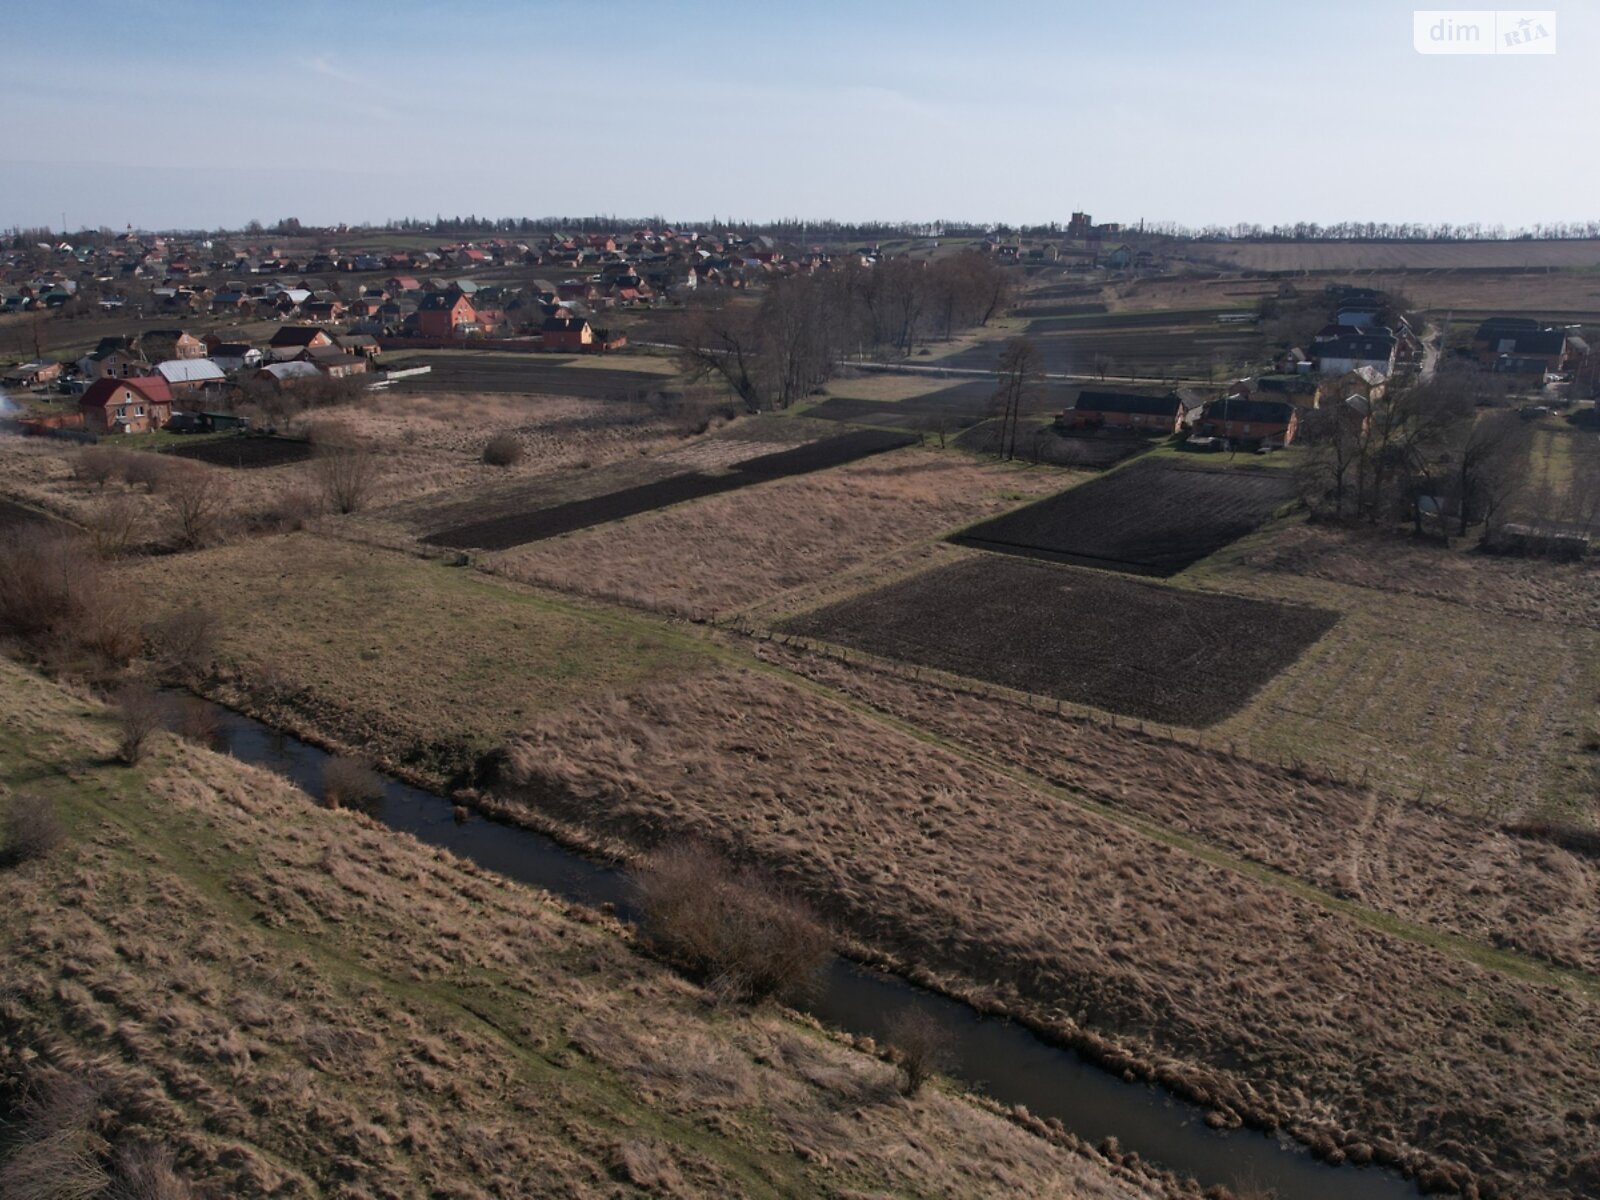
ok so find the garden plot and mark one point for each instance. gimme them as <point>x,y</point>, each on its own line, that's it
<point>245,452</point>
<point>1153,518</point>
<point>1140,649</point>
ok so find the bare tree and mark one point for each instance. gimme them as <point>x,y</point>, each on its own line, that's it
<point>1491,467</point>
<point>346,473</point>
<point>718,339</point>
<point>1020,376</point>
<point>199,497</point>
<point>114,524</point>
<point>138,711</point>
<point>921,1047</point>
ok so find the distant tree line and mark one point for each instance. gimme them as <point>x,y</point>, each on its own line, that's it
<point>1380,231</point>
<point>773,349</point>
<point>800,230</point>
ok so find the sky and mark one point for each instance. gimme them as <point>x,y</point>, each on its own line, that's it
<point>172,114</point>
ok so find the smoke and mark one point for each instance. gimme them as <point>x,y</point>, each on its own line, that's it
<point>6,407</point>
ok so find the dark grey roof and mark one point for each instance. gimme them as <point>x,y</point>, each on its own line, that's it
<point>1539,341</point>
<point>1127,402</point>
<point>1376,348</point>
<point>1264,412</point>
<point>1497,327</point>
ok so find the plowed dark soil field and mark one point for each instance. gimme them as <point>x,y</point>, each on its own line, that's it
<point>1151,518</point>
<point>533,374</point>
<point>245,452</point>
<point>1128,646</point>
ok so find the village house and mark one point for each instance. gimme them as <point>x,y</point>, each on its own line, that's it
<point>164,345</point>
<point>32,374</point>
<point>443,314</point>
<point>334,362</point>
<point>1127,410</point>
<point>233,356</point>
<point>135,405</point>
<point>114,358</point>
<point>363,344</point>
<point>1352,351</point>
<point>191,375</point>
<point>298,338</point>
<point>566,333</point>
<point>1245,419</point>
<point>288,374</point>
<point>1534,352</point>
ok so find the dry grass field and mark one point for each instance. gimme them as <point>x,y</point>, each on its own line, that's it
<point>1423,864</point>
<point>419,662</point>
<point>1464,681</point>
<point>292,1002</point>
<point>1397,256</point>
<point>578,462</point>
<point>725,553</point>
<point>1258,999</point>
<point>516,522</point>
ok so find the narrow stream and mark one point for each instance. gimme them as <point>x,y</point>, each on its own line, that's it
<point>997,1057</point>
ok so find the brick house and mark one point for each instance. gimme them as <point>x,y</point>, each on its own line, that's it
<point>567,333</point>
<point>135,405</point>
<point>1126,410</point>
<point>113,358</point>
<point>1242,419</point>
<point>290,340</point>
<point>170,345</point>
<point>334,361</point>
<point>441,314</point>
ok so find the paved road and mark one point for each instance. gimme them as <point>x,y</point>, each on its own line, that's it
<point>935,371</point>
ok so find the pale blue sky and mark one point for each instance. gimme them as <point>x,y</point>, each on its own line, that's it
<point>183,113</point>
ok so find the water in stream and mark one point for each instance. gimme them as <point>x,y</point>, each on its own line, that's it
<point>994,1056</point>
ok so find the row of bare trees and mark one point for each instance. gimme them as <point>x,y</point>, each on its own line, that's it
<point>774,349</point>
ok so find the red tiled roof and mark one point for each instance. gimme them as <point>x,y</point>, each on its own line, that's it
<point>153,388</point>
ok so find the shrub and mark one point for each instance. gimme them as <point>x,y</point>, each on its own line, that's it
<point>345,472</point>
<point>502,450</point>
<point>97,465</point>
<point>54,1154</point>
<point>199,497</point>
<point>292,510</point>
<point>921,1048</point>
<point>744,936</point>
<point>143,467</point>
<point>195,720</point>
<point>56,595</point>
<point>32,830</point>
<point>138,711</point>
<point>349,782</point>
<point>184,643</point>
<point>114,524</point>
<point>146,1173</point>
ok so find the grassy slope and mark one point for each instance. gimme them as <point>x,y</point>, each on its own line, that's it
<point>302,1003</point>
<point>423,658</point>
